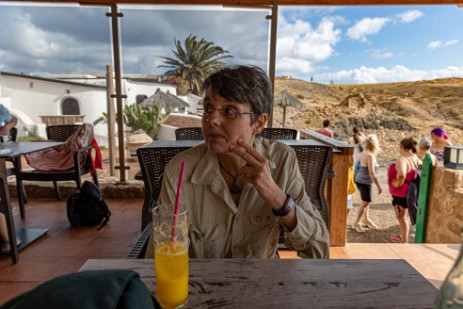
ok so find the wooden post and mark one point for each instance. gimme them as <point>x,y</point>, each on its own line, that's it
<point>336,188</point>
<point>337,199</point>
<point>111,117</point>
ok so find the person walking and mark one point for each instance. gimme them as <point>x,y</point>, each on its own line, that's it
<point>364,177</point>
<point>357,140</point>
<point>400,174</point>
<point>424,147</point>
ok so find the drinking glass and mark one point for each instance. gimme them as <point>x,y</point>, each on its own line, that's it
<point>170,236</point>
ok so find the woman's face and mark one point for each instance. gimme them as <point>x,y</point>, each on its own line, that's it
<point>225,121</point>
<point>435,137</point>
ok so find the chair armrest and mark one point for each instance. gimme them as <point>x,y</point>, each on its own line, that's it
<point>138,250</point>
<point>78,154</point>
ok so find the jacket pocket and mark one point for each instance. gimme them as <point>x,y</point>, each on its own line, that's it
<point>207,240</point>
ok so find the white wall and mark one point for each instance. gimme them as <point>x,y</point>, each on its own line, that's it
<point>134,88</point>
<point>29,98</point>
<point>32,98</point>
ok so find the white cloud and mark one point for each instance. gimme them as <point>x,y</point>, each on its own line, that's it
<point>438,44</point>
<point>398,73</point>
<point>300,46</point>
<point>409,16</point>
<point>380,55</point>
<point>365,27</point>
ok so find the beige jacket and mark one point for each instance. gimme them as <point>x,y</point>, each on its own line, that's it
<point>218,228</point>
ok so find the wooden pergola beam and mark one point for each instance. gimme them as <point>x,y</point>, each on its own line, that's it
<point>254,2</point>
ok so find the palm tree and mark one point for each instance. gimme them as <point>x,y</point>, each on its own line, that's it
<point>195,62</point>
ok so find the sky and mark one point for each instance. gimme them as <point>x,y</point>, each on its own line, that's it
<point>341,45</point>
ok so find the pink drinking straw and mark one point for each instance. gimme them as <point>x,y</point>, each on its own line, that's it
<point>177,201</point>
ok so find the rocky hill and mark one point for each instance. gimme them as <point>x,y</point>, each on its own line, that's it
<point>390,110</point>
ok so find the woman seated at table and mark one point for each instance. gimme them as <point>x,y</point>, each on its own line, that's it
<point>239,189</point>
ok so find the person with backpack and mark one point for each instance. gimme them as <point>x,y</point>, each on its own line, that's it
<point>400,174</point>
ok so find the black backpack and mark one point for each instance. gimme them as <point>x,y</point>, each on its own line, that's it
<point>87,207</point>
<point>413,192</point>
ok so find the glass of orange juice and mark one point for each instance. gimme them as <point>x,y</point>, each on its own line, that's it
<point>171,255</point>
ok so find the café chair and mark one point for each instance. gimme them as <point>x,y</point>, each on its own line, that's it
<point>5,208</point>
<point>315,166</point>
<point>82,165</point>
<point>278,133</point>
<point>152,162</point>
<point>189,134</point>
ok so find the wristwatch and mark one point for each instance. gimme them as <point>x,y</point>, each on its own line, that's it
<point>286,209</point>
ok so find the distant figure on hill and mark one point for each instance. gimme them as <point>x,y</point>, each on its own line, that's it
<point>424,147</point>
<point>357,140</point>
<point>326,130</point>
<point>439,141</point>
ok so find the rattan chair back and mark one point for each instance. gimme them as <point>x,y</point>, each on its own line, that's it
<point>61,132</point>
<point>315,166</point>
<point>278,133</point>
<point>152,162</point>
<point>189,134</point>
<point>13,134</point>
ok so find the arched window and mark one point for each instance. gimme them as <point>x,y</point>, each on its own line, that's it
<point>70,106</point>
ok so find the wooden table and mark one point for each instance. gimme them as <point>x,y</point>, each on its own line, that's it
<point>303,283</point>
<point>15,150</point>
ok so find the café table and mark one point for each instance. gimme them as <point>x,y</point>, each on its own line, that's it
<point>293,283</point>
<point>16,150</point>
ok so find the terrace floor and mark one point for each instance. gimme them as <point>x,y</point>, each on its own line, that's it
<point>64,249</point>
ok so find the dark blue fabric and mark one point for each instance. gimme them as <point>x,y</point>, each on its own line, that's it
<point>97,289</point>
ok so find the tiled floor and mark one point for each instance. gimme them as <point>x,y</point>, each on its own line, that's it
<point>65,249</point>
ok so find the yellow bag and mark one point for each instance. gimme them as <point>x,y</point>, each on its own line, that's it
<point>350,181</point>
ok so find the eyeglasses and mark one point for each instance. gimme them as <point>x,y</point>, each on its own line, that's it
<point>227,112</point>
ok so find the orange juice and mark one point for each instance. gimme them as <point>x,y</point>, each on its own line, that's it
<point>171,262</point>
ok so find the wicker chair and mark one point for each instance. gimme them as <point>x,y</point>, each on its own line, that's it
<point>152,162</point>
<point>278,133</point>
<point>314,163</point>
<point>315,166</point>
<point>57,133</point>
<point>5,208</point>
<point>189,134</point>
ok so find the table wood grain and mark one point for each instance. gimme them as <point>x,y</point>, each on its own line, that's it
<point>304,283</point>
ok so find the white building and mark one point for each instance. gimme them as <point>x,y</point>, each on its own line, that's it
<point>29,97</point>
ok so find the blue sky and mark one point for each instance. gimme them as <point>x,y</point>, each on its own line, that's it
<point>327,44</point>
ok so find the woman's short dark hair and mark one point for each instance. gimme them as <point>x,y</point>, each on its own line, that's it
<point>409,143</point>
<point>242,84</point>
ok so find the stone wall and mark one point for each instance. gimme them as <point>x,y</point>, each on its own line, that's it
<point>445,210</point>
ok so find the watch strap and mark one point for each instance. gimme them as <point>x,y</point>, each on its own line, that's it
<point>286,209</point>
